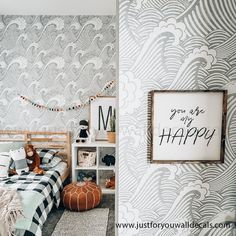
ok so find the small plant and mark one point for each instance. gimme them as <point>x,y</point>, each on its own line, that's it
<point>113,121</point>
<point>111,135</point>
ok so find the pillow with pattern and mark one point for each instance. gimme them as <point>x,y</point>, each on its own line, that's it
<point>5,160</point>
<point>46,155</point>
<point>55,161</point>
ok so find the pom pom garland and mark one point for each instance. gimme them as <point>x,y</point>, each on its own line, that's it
<point>109,85</point>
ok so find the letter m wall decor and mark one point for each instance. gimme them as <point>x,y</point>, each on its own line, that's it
<point>101,110</point>
<point>188,125</point>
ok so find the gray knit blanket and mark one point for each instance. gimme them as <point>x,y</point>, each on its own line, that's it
<point>10,210</point>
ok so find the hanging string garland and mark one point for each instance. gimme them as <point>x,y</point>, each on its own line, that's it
<point>107,86</point>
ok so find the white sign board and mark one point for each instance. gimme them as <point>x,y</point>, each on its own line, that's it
<point>188,126</point>
<point>101,111</point>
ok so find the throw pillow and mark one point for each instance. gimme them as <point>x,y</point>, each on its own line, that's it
<point>4,165</point>
<point>46,155</point>
<point>55,161</point>
<point>7,146</point>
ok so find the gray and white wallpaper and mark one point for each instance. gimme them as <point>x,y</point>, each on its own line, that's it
<point>177,44</point>
<point>56,61</point>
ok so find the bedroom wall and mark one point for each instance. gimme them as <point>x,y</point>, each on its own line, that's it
<point>177,44</point>
<point>53,60</point>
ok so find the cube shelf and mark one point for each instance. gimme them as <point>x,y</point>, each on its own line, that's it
<point>102,171</point>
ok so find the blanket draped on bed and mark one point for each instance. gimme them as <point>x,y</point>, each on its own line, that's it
<point>10,210</point>
<point>39,193</point>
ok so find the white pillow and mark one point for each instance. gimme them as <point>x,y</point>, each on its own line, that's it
<point>19,158</point>
<point>4,164</point>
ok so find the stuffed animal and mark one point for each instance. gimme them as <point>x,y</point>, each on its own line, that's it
<point>109,160</point>
<point>83,134</point>
<point>81,176</point>
<point>86,176</point>
<point>33,159</point>
<point>18,157</point>
<point>110,183</point>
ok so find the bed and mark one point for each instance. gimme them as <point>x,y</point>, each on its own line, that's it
<point>38,193</point>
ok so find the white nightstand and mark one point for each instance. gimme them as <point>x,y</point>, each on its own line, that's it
<point>100,168</point>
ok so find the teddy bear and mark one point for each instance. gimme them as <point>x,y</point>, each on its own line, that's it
<point>109,160</point>
<point>33,159</point>
<point>110,183</point>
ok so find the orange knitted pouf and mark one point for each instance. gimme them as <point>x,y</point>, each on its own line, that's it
<point>81,196</point>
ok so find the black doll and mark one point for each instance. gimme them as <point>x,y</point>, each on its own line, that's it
<point>83,134</point>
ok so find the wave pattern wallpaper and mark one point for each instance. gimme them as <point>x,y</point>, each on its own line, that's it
<point>55,61</point>
<point>178,44</point>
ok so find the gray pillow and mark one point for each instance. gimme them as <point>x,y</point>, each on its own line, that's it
<point>7,146</point>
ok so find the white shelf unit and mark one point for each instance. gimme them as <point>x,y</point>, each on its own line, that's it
<point>98,168</point>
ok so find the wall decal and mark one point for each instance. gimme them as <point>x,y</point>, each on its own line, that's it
<point>177,45</point>
<point>188,125</point>
<point>56,61</point>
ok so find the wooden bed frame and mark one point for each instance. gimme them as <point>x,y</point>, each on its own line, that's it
<point>60,141</point>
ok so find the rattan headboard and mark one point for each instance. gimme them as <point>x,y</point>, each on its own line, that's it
<point>60,141</point>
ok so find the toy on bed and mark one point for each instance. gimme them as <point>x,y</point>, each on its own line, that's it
<point>18,157</point>
<point>33,159</point>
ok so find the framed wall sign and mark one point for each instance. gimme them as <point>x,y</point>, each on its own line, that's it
<point>101,110</point>
<point>188,126</point>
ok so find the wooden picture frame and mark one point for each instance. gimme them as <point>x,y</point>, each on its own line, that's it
<point>100,111</point>
<point>187,126</point>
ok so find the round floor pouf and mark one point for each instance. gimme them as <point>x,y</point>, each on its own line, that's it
<point>81,196</point>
